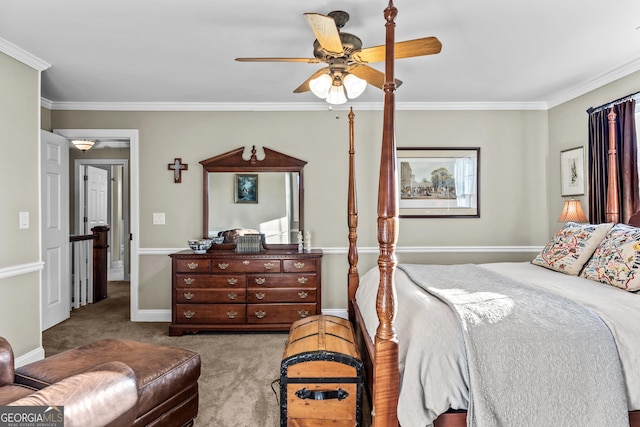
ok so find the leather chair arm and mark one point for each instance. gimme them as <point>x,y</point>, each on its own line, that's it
<point>106,395</point>
<point>6,363</point>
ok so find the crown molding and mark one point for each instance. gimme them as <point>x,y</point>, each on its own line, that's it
<point>22,55</point>
<point>595,83</point>
<point>291,106</point>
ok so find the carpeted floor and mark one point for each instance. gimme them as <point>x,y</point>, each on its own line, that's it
<point>237,369</point>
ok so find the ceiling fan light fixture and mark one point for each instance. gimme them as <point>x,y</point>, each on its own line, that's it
<point>336,95</point>
<point>354,86</point>
<point>320,85</point>
<point>83,144</point>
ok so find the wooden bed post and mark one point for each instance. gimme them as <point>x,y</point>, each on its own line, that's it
<point>385,371</point>
<point>353,277</point>
<point>612,208</point>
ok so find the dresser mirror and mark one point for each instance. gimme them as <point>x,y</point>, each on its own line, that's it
<point>254,192</point>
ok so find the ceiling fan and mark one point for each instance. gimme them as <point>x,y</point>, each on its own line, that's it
<point>347,72</point>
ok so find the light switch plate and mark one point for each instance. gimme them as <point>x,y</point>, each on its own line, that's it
<point>158,218</point>
<point>24,220</point>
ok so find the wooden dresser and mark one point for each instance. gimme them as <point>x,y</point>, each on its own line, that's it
<point>226,291</point>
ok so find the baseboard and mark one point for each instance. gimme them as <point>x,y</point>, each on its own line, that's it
<point>32,356</point>
<point>339,312</point>
<point>151,315</point>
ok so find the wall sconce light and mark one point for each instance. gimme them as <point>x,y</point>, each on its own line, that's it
<point>335,88</point>
<point>83,144</point>
<point>573,212</point>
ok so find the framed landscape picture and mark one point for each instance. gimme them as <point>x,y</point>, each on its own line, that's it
<point>572,171</point>
<point>439,182</point>
<point>246,188</point>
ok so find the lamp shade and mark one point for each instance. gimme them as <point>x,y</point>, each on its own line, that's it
<point>572,211</point>
<point>354,85</point>
<point>320,85</point>
<point>336,95</point>
<point>83,144</point>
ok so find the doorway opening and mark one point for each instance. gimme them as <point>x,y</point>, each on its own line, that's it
<point>110,197</point>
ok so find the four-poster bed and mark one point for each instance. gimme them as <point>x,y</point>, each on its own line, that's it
<point>379,340</point>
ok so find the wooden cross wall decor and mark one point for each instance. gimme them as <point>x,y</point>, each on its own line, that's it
<point>177,167</point>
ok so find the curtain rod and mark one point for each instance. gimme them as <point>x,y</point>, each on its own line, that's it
<point>612,103</point>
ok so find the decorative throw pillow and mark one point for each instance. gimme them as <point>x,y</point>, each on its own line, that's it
<point>571,247</point>
<point>616,261</point>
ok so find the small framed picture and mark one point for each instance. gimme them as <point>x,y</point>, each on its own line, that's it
<point>246,190</point>
<point>572,171</point>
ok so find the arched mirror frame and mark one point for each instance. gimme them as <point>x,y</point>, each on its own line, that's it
<point>233,161</point>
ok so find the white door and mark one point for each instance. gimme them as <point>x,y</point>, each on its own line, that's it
<point>96,197</point>
<point>54,165</point>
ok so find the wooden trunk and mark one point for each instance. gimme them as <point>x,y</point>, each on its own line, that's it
<point>321,376</point>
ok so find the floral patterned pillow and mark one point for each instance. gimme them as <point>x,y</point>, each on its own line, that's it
<point>571,247</point>
<point>616,261</point>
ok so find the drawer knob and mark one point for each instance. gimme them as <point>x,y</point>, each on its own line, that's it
<point>192,265</point>
<point>302,280</point>
<point>260,280</point>
<point>232,314</point>
<point>189,314</point>
<point>268,265</point>
<point>189,280</point>
<point>246,262</point>
<point>188,295</point>
<point>260,295</point>
<point>260,314</point>
<point>299,264</point>
<point>232,281</point>
<point>303,313</point>
<point>223,266</point>
<point>303,294</point>
<point>232,295</point>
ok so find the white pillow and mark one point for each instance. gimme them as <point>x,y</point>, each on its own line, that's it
<point>571,247</point>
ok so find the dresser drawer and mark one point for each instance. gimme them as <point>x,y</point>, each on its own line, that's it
<point>211,280</point>
<point>260,295</point>
<point>298,265</point>
<point>195,265</point>
<point>249,265</point>
<point>281,280</point>
<point>210,313</point>
<point>278,313</point>
<point>199,295</point>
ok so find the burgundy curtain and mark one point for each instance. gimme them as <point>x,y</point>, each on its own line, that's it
<point>627,161</point>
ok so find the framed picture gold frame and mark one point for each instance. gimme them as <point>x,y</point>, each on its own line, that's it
<point>246,188</point>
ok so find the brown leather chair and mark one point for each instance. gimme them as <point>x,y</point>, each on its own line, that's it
<point>105,395</point>
<point>167,377</point>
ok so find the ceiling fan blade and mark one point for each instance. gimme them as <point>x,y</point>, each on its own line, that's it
<point>307,60</point>
<point>405,49</point>
<point>304,87</point>
<point>371,75</point>
<point>326,31</point>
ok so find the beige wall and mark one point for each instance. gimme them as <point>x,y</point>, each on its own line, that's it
<point>513,179</point>
<point>568,128</point>
<point>19,184</point>
<point>520,194</point>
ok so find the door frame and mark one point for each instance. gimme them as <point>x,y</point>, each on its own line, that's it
<point>134,192</point>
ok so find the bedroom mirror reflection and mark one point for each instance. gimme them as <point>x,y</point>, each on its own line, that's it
<point>254,189</point>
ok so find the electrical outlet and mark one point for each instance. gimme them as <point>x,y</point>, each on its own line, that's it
<point>158,218</point>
